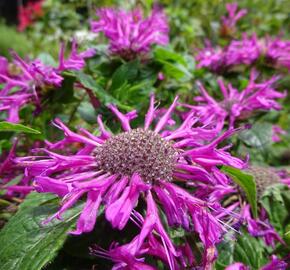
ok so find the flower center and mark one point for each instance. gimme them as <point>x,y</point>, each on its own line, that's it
<point>138,151</point>
<point>264,177</point>
<point>228,104</point>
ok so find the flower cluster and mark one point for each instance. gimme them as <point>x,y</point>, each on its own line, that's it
<point>274,264</point>
<point>117,171</point>
<point>245,52</point>
<point>129,33</point>
<point>236,105</point>
<point>26,81</point>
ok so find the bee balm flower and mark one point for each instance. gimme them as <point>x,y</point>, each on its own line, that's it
<point>237,105</point>
<point>129,33</point>
<point>119,170</point>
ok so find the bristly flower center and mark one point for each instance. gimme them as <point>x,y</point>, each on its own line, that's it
<point>264,177</point>
<point>138,151</point>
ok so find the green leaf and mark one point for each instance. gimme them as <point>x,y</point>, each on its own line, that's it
<point>27,244</point>
<point>87,112</point>
<point>250,251</point>
<point>161,53</point>
<point>259,136</point>
<point>247,183</point>
<point>174,65</point>
<point>6,126</point>
<point>226,251</point>
<point>276,201</point>
<point>47,59</point>
<point>88,82</point>
<point>125,73</point>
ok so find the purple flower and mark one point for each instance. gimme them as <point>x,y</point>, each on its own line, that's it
<point>274,264</point>
<point>117,170</point>
<point>210,57</point>
<point>261,227</point>
<point>10,171</point>
<point>129,33</point>
<point>76,61</point>
<point>242,52</point>
<point>229,22</point>
<point>25,86</point>
<point>225,188</point>
<point>236,105</point>
<point>245,52</point>
<point>278,52</point>
<point>32,79</point>
<point>239,52</point>
<point>277,131</point>
<point>237,266</point>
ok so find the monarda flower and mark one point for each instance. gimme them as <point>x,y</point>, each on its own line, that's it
<point>229,22</point>
<point>237,105</point>
<point>30,80</point>
<point>257,227</point>
<point>129,33</point>
<point>210,57</point>
<point>277,53</point>
<point>239,52</point>
<point>10,171</point>
<point>76,60</point>
<point>247,51</point>
<point>24,86</point>
<point>117,171</point>
<point>277,133</point>
<point>274,264</point>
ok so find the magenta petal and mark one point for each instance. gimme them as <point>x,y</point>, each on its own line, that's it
<point>119,211</point>
<point>87,219</point>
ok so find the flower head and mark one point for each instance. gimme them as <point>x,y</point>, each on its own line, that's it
<point>211,58</point>
<point>236,105</point>
<point>75,61</point>
<point>129,33</point>
<point>277,132</point>
<point>10,171</point>
<point>242,52</point>
<point>229,22</point>
<point>32,79</point>
<point>274,264</point>
<point>278,52</point>
<point>24,86</point>
<point>119,170</point>
<point>239,52</point>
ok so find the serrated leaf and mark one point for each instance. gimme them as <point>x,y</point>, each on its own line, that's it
<point>88,82</point>
<point>27,244</point>
<point>259,135</point>
<point>87,112</point>
<point>247,183</point>
<point>250,251</point>
<point>7,126</point>
<point>161,53</point>
<point>276,201</point>
<point>174,65</point>
<point>225,251</point>
<point>125,73</point>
